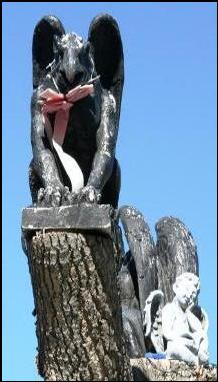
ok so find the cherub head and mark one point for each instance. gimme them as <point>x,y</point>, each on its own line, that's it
<point>186,289</point>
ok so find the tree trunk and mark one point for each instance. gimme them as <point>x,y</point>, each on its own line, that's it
<point>74,279</point>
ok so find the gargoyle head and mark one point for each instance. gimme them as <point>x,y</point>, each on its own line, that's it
<point>73,59</point>
<point>77,62</point>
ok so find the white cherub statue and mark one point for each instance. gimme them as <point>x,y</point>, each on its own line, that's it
<point>184,324</point>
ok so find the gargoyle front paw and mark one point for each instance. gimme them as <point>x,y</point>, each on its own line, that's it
<point>69,197</point>
<point>49,196</point>
<point>40,197</point>
<point>89,195</point>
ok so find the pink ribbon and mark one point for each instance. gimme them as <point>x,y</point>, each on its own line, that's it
<point>52,102</point>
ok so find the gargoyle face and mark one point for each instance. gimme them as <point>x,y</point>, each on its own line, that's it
<point>74,59</point>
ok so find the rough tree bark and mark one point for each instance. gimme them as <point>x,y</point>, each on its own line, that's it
<point>74,279</point>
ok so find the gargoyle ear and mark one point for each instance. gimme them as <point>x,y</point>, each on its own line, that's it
<point>42,48</point>
<point>105,39</point>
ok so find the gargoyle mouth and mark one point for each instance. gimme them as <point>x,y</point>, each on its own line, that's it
<point>79,78</point>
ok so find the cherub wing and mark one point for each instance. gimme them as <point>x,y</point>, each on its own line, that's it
<point>106,43</point>
<point>42,47</point>
<point>152,322</point>
<point>202,330</point>
<point>176,253</point>
<point>141,246</point>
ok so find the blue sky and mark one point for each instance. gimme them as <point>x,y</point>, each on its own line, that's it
<point>166,144</point>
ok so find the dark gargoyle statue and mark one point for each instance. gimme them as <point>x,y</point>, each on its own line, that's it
<point>147,267</point>
<point>75,113</point>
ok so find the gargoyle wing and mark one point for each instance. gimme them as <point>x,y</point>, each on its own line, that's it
<point>201,314</point>
<point>42,47</point>
<point>105,39</point>
<point>152,322</point>
<point>176,253</point>
<point>131,314</point>
<point>142,250</point>
<point>205,321</point>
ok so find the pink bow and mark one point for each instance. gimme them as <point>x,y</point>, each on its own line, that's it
<point>52,101</point>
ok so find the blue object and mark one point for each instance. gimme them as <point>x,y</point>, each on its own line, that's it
<point>155,355</point>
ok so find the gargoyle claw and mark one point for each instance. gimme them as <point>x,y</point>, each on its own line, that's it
<point>89,195</point>
<point>49,196</point>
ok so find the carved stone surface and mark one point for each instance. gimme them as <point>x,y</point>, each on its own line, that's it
<point>141,246</point>
<point>75,106</point>
<point>185,333</point>
<point>79,217</point>
<point>137,277</point>
<point>179,329</point>
<point>171,370</point>
<point>148,267</point>
<point>79,321</point>
<point>153,322</point>
<point>131,315</point>
<point>176,253</point>
<point>71,236</point>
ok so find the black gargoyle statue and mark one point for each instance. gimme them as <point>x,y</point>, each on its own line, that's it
<point>148,267</point>
<point>75,113</point>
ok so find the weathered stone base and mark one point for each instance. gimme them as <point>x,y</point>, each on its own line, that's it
<point>170,370</point>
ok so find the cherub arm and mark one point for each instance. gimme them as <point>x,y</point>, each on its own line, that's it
<point>168,322</point>
<point>170,332</point>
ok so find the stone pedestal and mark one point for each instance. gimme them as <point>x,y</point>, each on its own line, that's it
<point>170,370</point>
<point>73,255</point>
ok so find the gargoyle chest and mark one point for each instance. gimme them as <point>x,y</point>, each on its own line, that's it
<point>82,126</point>
<point>71,122</point>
